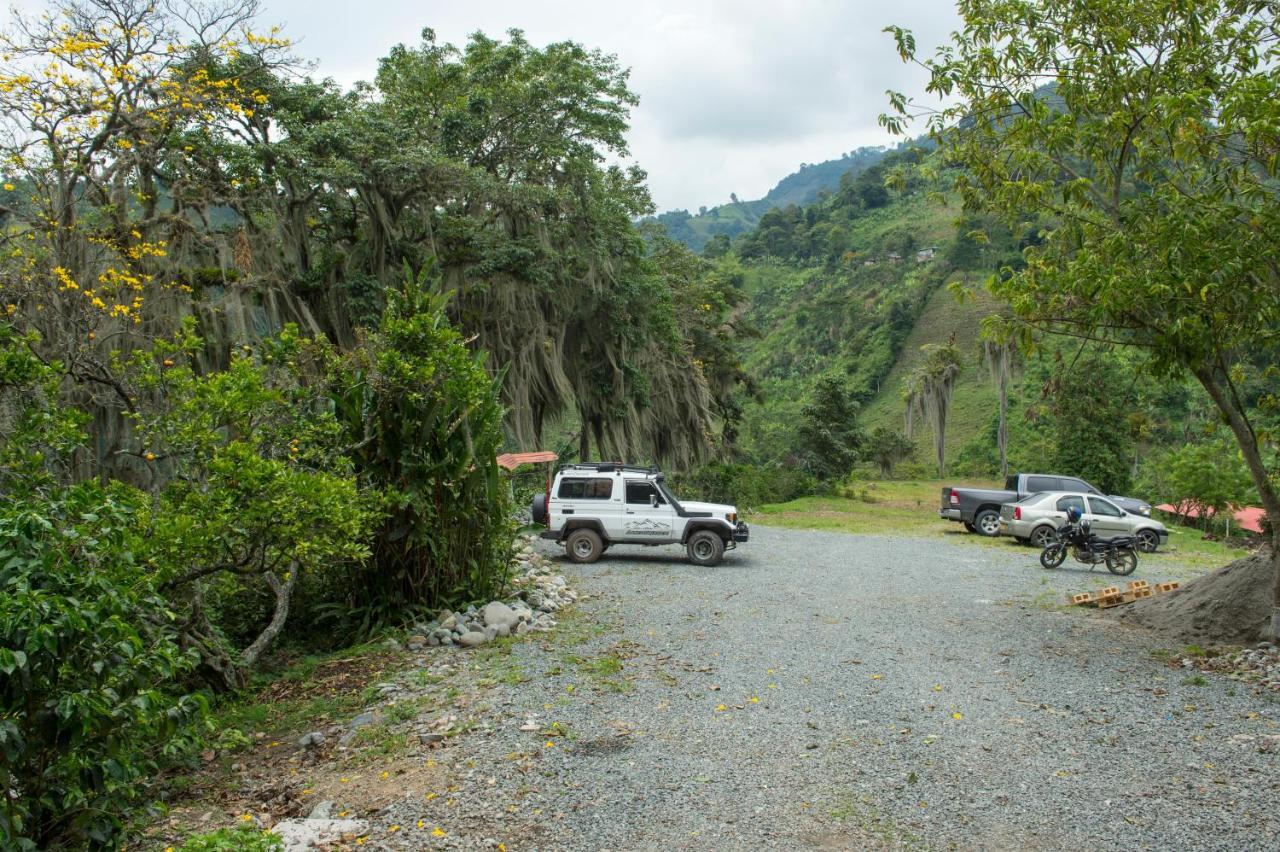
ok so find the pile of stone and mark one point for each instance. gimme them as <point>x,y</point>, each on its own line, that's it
<point>540,593</point>
<point>1258,666</point>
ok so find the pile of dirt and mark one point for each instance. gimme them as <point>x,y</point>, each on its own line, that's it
<point>1231,606</point>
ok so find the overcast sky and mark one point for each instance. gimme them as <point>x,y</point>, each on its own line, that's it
<point>734,94</point>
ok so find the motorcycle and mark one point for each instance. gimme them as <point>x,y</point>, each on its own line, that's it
<point>1119,554</point>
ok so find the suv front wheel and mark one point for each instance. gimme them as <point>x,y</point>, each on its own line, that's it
<point>705,548</point>
<point>584,546</point>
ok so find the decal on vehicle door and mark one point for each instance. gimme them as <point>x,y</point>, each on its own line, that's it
<point>648,526</point>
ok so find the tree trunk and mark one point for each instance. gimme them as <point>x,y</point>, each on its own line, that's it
<point>1002,436</point>
<point>1248,440</point>
<point>584,442</point>
<point>284,596</point>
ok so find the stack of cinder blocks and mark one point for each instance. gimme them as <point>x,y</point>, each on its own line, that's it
<point>1112,595</point>
<point>1137,590</point>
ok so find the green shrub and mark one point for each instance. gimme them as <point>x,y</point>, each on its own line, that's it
<point>422,414</point>
<point>89,669</point>
<point>233,840</point>
<point>745,486</point>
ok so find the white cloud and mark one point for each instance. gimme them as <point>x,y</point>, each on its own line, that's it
<point>734,95</point>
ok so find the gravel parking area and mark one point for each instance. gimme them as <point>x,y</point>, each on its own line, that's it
<point>821,690</point>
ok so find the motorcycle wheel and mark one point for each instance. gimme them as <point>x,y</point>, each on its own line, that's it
<point>1053,555</point>
<point>1122,562</point>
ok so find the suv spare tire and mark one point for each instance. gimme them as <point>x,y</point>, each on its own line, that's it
<point>538,509</point>
<point>584,546</point>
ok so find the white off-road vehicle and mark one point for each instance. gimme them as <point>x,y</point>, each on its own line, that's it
<point>592,506</point>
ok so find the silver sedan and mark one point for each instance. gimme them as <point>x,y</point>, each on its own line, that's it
<point>1036,519</point>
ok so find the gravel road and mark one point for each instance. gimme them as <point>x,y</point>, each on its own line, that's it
<point>822,690</point>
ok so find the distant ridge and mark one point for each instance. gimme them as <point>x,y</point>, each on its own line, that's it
<point>803,186</point>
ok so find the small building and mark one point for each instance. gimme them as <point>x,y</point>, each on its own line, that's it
<point>925,255</point>
<point>894,257</point>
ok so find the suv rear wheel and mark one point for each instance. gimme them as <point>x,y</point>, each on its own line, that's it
<point>584,546</point>
<point>705,548</point>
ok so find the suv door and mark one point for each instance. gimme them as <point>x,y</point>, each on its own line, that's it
<point>589,498</point>
<point>1108,519</point>
<point>642,520</point>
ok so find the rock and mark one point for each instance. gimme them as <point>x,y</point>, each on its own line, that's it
<point>304,834</point>
<point>322,810</point>
<point>472,638</point>
<point>312,740</point>
<point>433,641</point>
<point>490,633</point>
<point>503,630</point>
<point>498,614</point>
<point>522,628</point>
<point>363,720</point>
<point>449,622</point>
<point>428,738</point>
<point>393,644</point>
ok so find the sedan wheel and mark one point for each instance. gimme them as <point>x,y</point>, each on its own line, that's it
<point>1042,537</point>
<point>1148,541</point>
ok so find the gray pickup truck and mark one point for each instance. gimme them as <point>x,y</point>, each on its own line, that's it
<point>979,508</point>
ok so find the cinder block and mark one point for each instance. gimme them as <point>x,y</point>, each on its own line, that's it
<point>1082,599</point>
<point>1134,585</point>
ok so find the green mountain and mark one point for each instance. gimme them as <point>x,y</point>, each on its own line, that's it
<point>856,282</point>
<point>801,187</point>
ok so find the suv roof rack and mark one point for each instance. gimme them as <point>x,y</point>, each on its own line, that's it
<point>610,467</point>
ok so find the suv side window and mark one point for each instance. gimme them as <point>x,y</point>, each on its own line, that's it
<point>638,493</point>
<point>585,489</point>
<point>1065,503</point>
<point>1105,507</point>
<point>1042,483</point>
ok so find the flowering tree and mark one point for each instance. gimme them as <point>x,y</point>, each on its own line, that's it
<point>95,100</point>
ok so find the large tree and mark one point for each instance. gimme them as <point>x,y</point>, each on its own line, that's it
<point>1145,136</point>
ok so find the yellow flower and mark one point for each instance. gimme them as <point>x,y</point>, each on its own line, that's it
<point>393,829</point>
<point>437,832</point>
<point>385,775</point>
<point>754,699</point>
<point>957,716</point>
<point>720,708</point>
<point>244,817</point>
<point>876,677</point>
<point>550,744</point>
<point>8,187</point>
<point>422,824</point>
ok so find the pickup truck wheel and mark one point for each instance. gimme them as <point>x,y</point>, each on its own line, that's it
<point>584,546</point>
<point>1043,536</point>
<point>987,522</point>
<point>970,527</point>
<point>1148,541</point>
<point>705,548</point>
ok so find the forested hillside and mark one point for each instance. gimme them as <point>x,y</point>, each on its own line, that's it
<point>870,283</point>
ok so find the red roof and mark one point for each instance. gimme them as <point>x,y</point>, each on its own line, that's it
<point>1248,518</point>
<point>511,461</point>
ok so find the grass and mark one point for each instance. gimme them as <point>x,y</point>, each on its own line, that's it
<point>910,508</point>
